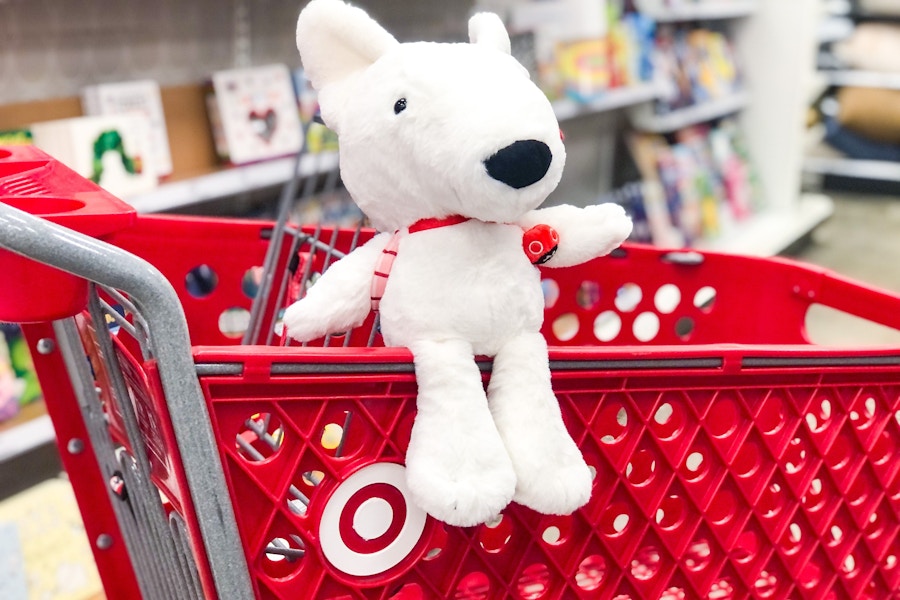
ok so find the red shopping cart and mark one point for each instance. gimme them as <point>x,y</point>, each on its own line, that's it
<point>732,457</point>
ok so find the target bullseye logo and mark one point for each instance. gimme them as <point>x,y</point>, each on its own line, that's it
<point>369,524</point>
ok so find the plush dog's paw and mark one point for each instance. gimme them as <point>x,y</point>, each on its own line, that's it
<point>610,222</point>
<point>465,500</point>
<point>552,477</point>
<point>300,323</point>
<point>555,489</point>
<point>461,484</point>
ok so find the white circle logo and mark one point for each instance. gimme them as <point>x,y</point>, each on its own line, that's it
<point>369,525</point>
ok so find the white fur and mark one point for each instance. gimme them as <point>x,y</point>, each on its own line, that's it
<point>487,28</point>
<point>458,291</point>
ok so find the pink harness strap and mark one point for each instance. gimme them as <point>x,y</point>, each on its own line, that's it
<point>389,254</point>
<point>383,269</point>
<point>539,243</point>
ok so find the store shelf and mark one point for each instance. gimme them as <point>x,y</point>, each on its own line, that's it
<point>862,79</point>
<point>229,182</point>
<point>25,436</point>
<point>849,167</point>
<point>644,119</point>
<point>773,231</point>
<point>702,10</point>
<point>611,100</point>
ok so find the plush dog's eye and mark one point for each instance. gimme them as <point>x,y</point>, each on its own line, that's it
<point>399,106</point>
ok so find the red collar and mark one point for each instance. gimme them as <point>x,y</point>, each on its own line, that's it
<point>426,224</point>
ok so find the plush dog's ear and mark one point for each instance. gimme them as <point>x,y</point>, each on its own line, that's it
<point>336,39</point>
<point>487,28</point>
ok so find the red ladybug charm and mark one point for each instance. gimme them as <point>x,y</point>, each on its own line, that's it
<point>539,243</point>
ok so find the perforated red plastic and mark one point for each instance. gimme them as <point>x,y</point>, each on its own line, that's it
<point>711,482</point>
<point>733,458</point>
<point>31,180</point>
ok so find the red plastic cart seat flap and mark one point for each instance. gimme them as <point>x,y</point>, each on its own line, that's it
<point>34,182</point>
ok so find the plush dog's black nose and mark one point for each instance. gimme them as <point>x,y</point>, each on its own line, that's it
<point>520,164</point>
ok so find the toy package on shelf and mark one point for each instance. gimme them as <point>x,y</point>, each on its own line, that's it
<point>110,150</point>
<point>586,69</point>
<point>128,97</point>
<point>695,65</point>
<point>698,183</point>
<point>253,114</point>
<point>583,48</point>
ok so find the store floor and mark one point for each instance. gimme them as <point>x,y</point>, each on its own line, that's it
<point>860,241</point>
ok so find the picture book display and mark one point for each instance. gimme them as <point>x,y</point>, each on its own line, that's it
<point>697,184</point>
<point>253,113</point>
<point>109,150</point>
<point>695,65</point>
<point>134,97</point>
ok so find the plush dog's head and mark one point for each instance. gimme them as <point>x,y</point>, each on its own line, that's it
<point>430,129</point>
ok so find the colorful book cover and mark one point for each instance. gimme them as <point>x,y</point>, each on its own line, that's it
<point>109,150</point>
<point>256,111</point>
<point>584,68</point>
<point>134,97</point>
<point>644,150</point>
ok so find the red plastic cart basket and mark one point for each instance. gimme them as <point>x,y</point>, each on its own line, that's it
<point>733,458</point>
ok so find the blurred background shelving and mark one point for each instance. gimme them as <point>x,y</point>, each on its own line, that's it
<point>853,136</point>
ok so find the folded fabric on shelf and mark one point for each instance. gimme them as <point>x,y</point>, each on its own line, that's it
<point>858,146</point>
<point>871,47</point>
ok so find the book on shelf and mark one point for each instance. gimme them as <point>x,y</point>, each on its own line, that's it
<point>253,114</point>
<point>134,97</point>
<point>697,184</point>
<point>582,49</point>
<point>110,150</point>
<point>694,65</point>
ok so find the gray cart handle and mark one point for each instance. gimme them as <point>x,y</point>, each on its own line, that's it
<point>154,297</point>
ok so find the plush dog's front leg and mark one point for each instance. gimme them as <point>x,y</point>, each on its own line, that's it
<point>341,298</point>
<point>584,233</point>
<point>552,477</point>
<point>457,467</point>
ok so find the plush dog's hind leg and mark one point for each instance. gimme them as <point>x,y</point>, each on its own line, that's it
<point>552,477</point>
<point>457,467</point>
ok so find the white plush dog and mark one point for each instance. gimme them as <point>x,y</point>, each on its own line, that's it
<point>449,149</point>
